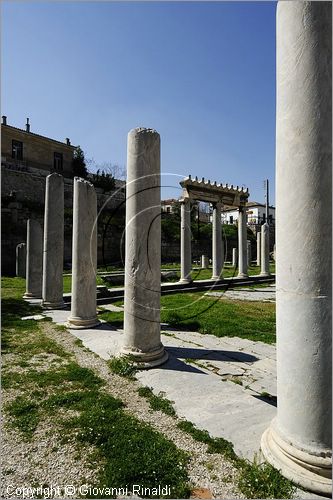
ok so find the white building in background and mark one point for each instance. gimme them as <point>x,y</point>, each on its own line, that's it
<point>167,205</point>
<point>256,214</point>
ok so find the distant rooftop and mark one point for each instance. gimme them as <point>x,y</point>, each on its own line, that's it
<point>27,131</point>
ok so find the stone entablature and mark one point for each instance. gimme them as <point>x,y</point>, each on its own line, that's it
<point>203,190</point>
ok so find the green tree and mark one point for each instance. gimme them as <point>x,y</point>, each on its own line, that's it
<point>79,164</point>
<point>103,179</point>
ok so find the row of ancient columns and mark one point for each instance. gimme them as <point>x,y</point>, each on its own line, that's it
<point>244,248</point>
<point>45,252</point>
<point>299,440</point>
<point>244,254</point>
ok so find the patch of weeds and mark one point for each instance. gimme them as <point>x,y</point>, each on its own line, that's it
<point>133,452</point>
<point>264,481</point>
<point>168,334</point>
<point>215,445</point>
<point>82,400</point>
<point>236,380</point>
<point>7,472</point>
<point>254,480</point>
<point>157,402</point>
<point>60,328</point>
<point>123,366</point>
<point>79,343</point>
<point>25,416</point>
<point>209,466</point>
<point>23,364</point>
<point>72,372</point>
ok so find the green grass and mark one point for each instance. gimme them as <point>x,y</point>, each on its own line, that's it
<point>215,445</point>
<point>213,315</point>
<point>67,281</point>
<point>126,451</point>
<point>220,317</point>
<point>157,403</point>
<point>228,271</point>
<point>261,480</point>
<point>72,372</point>
<point>133,452</point>
<point>25,415</point>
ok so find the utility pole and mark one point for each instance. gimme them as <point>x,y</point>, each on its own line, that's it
<point>267,199</point>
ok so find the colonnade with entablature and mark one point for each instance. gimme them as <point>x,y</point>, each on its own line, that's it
<point>218,195</point>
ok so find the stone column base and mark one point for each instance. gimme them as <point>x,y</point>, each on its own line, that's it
<point>265,274</point>
<point>29,295</point>
<point>309,471</point>
<point>53,305</point>
<point>242,275</point>
<point>215,278</point>
<point>185,281</point>
<point>80,324</point>
<point>148,359</point>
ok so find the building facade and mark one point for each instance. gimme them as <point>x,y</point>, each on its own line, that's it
<point>26,151</point>
<point>256,214</point>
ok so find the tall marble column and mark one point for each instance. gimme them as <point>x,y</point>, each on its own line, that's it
<point>259,248</point>
<point>242,243</point>
<point>185,242</point>
<point>234,257</point>
<point>249,253</point>
<point>84,256</point>
<point>142,332</point>
<point>299,440</point>
<point>21,260</point>
<point>217,244</point>
<point>264,271</point>
<point>34,264</point>
<point>53,252</point>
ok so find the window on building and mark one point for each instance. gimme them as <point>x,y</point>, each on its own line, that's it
<point>231,219</point>
<point>58,162</point>
<point>17,150</point>
<point>168,209</point>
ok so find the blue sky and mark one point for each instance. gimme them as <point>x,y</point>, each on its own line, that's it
<point>202,74</point>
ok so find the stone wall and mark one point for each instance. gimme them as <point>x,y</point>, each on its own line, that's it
<point>23,198</point>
